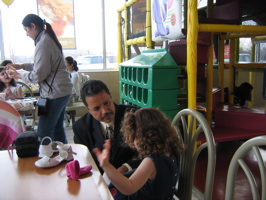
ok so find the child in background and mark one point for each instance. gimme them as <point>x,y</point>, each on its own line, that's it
<point>73,70</point>
<point>74,76</point>
<point>149,132</point>
<point>6,62</point>
<point>8,85</point>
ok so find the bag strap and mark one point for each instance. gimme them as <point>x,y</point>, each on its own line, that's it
<point>50,86</point>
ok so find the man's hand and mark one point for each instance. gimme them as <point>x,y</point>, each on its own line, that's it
<point>122,169</point>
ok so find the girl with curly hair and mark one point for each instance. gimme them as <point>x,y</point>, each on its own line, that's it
<point>149,132</point>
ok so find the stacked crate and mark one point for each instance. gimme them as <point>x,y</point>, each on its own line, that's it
<point>151,80</point>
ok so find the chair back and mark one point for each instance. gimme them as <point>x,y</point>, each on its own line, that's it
<point>84,78</point>
<point>252,144</point>
<point>11,124</point>
<point>26,90</point>
<point>190,124</point>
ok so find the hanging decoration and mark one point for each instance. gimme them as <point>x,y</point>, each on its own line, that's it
<point>8,2</point>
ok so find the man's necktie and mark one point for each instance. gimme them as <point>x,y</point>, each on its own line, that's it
<point>109,132</point>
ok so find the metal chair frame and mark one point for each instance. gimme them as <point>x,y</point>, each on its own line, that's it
<point>28,91</point>
<point>238,160</point>
<point>189,124</point>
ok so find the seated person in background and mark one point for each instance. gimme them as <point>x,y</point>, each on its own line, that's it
<point>74,76</point>
<point>149,132</point>
<point>8,85</point>
<point>10,88</point>
<point>91,129</point>
<point>6,62</point>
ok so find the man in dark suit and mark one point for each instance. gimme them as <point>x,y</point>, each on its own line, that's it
<point>91,129</point>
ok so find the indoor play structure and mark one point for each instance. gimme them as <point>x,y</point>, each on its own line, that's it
<point>152,76</point>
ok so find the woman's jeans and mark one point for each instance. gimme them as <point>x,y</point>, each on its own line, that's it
<point>52,125</point>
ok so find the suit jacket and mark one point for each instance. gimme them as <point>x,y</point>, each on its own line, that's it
<point>87,131</point>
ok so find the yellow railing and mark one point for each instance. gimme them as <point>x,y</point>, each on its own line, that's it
<point>128,42</point>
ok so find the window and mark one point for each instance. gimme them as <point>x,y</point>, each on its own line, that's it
<point>88,32</point>
<point>244,58</point>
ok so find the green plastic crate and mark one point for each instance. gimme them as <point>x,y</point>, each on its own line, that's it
<point>163,99</point>
<point>150,78</point>
<point>155,58</point>
<point>152,69</point>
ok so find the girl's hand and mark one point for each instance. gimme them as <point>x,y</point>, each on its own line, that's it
<point>13,74</point>
<point>103,156</point>
<point>9,94</point>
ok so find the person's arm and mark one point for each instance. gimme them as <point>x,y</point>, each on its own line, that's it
<point>75,82</point>
<point>16,66</point>
<point>124,168</point>
<point>11,95</point>
<point>19,92</point>
<point>132,163</point>
<point>72,96</point>
<point>127,186</point>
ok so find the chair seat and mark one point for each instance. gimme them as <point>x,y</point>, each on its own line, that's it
<point>78,105</point>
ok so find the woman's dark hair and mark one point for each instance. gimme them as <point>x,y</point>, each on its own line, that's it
<point>40,23</point>
<point>6,62</point>
<point>73,62</point>
<point>91,88</point>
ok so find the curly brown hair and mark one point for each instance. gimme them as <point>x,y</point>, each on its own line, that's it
<point>150,132</point>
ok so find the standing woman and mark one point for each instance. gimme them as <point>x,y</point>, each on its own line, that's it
<point>49,70</point>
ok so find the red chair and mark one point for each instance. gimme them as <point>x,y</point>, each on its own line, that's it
<point>11,124</point>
